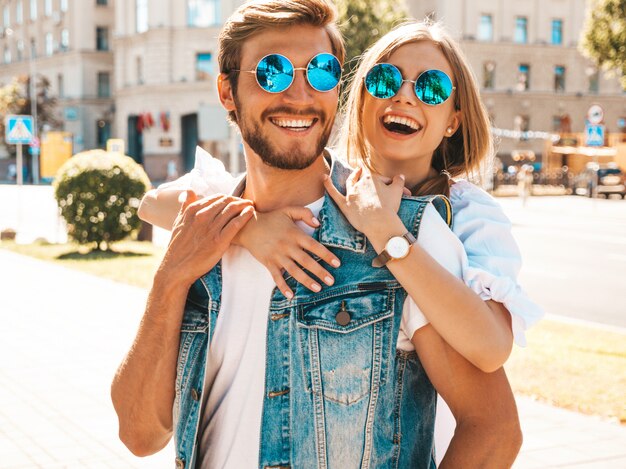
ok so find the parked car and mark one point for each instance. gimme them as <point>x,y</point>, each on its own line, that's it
<point>609,178</point>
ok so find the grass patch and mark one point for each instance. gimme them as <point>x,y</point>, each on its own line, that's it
<point>131,262</point>
<point>573,366</point>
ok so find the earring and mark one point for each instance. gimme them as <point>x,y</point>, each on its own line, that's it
<point>449,130</point>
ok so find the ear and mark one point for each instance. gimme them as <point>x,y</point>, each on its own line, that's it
<point>225,92</point>
<point>454,122</point>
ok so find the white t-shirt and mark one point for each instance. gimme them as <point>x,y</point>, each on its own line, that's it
<point>230,426</point>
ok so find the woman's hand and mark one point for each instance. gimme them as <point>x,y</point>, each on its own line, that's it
<point>275,241</point>
<point>371,201</point>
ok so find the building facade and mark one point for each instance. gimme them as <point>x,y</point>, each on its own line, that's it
<point>165,76</point>
<point>68,42</point>
<point>531,74</point>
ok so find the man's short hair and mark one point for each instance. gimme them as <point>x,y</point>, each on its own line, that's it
<point>257,16</point>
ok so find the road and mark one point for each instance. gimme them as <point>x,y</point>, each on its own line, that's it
<point>574,251</point>
<point>574,248</point>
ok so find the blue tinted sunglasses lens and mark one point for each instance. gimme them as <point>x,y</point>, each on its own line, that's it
<point>383,81</point>
<point>274,73</point>
<point>324,72</point>
<point>433,87</point>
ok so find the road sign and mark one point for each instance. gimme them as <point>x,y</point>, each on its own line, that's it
<point>19,129</point>
<point>595,114</point>
<point>594,135</point>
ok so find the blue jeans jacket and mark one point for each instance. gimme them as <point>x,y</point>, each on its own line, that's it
<point>338,394</point>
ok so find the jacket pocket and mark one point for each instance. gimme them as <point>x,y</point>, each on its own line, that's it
<point>345,341</point>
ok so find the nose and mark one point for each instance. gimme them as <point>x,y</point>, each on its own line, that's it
<point>300,91</point>
<point>406,94</point>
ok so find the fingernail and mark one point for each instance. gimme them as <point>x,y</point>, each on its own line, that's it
<point>289,295</point>
<point>402,177</point>
<point>315,287</point>
<point>335,263</point>
<point>329,280</point>
<point>316,222</point>
<point>182,197</point>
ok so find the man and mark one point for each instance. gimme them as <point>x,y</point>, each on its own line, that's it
<point>246,378</point>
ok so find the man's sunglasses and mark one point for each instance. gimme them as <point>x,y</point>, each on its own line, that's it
<point>275,73</point>
<point>432,87</point>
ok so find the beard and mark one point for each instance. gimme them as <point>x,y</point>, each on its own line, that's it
<point>298,156</point>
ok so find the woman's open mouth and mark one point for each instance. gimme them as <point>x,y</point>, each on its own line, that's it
<point>401,125</point>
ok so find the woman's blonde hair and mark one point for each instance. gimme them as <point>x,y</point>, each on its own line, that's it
<point>459,154</point>
<point>257,16</point>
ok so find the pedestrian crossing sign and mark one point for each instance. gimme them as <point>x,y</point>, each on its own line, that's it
<point>594,135</point>
<point>19,129</point>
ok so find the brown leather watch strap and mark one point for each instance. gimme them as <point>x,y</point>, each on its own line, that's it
<point>384,257</point>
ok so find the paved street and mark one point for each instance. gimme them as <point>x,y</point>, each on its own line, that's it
<point>574,251</point>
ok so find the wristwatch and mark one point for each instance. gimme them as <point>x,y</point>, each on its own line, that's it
<point>396,248</point>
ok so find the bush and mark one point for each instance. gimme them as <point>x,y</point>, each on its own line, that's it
<point>98,194</point>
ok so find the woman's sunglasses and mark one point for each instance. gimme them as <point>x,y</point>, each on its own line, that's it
<point>432,87</point>
<point>275,73</point>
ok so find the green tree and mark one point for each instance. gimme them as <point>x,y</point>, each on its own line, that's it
<point>363,22</point>
<point>604,36</point>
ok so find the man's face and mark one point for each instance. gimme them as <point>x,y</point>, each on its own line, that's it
<point>287,130</point>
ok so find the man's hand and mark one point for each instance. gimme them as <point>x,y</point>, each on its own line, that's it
<point>202,232</point>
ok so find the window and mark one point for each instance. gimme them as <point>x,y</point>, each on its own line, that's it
<point>489,75</point>
<point>33,48</point>
<point>485,28</point>
<point>203,13</point>
<point>559,78</point>
<point>6,16</point>
<point>102,2</point>
<point>556,123</point>
<point>19,12</point>
<point>63,5</point>
<point>594,79</point>
<point>523,77</point>
<point>103,131</point>
<point>141,12</point>
<point>7,55</point>
<point>139,70</point>
<point>20,49</point>
<point>521,123</point>
<point>102,38</point>
<point>49,44</point>
<point>204,66</point>
<point>33,10</point>
<point>65,39</point>
<point>61,85</point>
<point>47,7</point>
<point>557,32</point>
<point>521,30</point>
<point>104,85</point>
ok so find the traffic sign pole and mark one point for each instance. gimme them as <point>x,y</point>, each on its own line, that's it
<point>20,173</point>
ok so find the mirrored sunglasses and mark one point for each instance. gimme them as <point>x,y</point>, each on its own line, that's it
<point>275,73</point>
<point>432,87</point>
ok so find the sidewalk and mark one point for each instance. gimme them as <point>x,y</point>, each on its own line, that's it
<point>63,334</point>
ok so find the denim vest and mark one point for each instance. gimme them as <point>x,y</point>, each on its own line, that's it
<point>338,394</point>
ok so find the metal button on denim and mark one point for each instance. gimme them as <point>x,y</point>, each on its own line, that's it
<point>180,463</point>
<point>343,316</point>
<point>195,395</point>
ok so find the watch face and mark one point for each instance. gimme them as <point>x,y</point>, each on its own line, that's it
<point>398,247</point>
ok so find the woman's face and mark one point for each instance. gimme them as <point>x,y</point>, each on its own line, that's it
<point>402,145</point>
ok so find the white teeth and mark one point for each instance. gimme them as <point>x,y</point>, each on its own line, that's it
<point>293,123</point>
<point>403,121</point>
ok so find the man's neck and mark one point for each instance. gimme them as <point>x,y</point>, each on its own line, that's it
<point>271,188</point>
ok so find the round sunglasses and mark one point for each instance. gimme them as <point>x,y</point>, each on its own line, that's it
<point>432,87</point>
<point>275,73</point>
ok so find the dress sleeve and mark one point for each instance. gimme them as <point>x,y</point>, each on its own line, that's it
<point>208,177</point>
<point>494,259</point>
